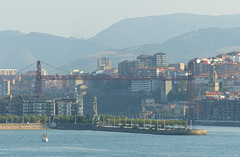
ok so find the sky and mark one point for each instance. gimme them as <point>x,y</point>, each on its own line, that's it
<point>86,18</point>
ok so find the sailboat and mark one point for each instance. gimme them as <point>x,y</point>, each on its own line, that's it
<point>45,136</point>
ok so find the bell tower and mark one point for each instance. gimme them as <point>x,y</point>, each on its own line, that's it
<point>213,84</point>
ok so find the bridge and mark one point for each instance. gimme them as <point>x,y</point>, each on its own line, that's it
<point>189,78</point>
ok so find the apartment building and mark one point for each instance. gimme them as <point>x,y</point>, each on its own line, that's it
<point>8,72</point>
<point>27,105</point>
<point>104,63</point>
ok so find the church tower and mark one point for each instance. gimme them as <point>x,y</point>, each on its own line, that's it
<point>213,84</point>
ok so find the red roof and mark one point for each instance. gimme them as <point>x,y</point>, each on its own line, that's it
<point>205,62</point>
<point>153,68</point>
<point>213,93</point>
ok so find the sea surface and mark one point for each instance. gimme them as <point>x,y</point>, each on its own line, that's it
<point>220,142</point>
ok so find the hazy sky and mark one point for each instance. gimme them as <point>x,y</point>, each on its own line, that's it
<point>85,18</point>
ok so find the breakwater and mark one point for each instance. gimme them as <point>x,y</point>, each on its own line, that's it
<point>131,130</point>
<point>153,131</point>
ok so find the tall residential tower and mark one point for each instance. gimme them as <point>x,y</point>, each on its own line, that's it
<point>159,59</point>
<point>104,63</point>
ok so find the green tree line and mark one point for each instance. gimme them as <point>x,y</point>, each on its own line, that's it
<point>124,121</point>
<point>66,119</point>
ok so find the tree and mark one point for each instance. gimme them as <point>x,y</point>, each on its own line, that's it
<point>3,119</point>
<point>10,118</point>
<point>27,118</point>
<point>33,119</point>
<point>157,95</point>
<point>43,118</point>
<point>65,119</point>
<point>21,119</point>
<point>171,96</point>
<point>15,119</point>
<point>182,95</point>
<point>222,88</point>
<point>82,119</point>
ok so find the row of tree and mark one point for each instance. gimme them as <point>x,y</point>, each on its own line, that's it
<point>104,120</point>
<point>45,119</point>
<point>23,119</point>
<point>124,121</point>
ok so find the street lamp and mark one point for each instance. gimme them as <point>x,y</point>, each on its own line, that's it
<point>114,122</point>
<point>144,123</point>
<point>75,120</point>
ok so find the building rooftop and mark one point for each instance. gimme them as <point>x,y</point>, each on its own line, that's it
<point>28,97</point>
<point>153,68</point>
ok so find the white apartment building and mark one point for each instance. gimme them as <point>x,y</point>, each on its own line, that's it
<point>8,71</point>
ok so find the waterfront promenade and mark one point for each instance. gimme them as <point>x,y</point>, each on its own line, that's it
<point>22,126</point>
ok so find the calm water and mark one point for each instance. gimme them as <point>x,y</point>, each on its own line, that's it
<point>220,141</point>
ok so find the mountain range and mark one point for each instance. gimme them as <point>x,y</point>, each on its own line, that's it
<point>18,50</point>
<point>157,29</point>
<point>180,36</point>
<point>206,42</point>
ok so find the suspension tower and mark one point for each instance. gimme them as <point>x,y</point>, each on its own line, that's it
<point>38,84</point>
<point>190,85</point>
<point>190,91</point>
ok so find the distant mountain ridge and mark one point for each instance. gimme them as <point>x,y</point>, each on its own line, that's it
<point>177,35</point>
<point>18,50</point>
<point>157,29</point>
<point>201,43</point>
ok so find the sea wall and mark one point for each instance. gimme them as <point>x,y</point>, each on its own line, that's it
<point>74,126</point>
<point>218,123</point>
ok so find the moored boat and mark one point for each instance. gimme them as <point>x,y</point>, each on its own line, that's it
<point>44,137</point>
